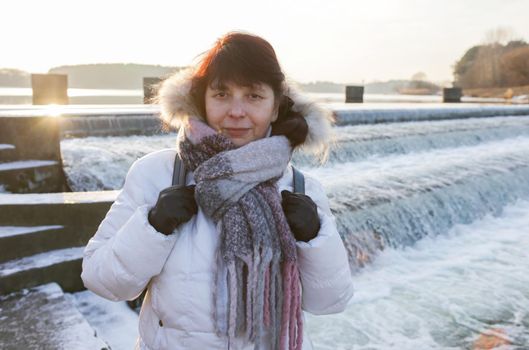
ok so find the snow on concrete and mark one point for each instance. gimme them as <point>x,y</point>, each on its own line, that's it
<point>41,260</point>
<point>24,164</point>
<point>79,110</point>
<point>113,321</point>
<point>58,198</point>
<point>6,146</point>
<point>8,231</point>
<point>43,318</point>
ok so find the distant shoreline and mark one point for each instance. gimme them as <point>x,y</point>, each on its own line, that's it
<point>22,96</point>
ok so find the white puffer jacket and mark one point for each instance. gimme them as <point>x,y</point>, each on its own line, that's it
<point>127,254</point>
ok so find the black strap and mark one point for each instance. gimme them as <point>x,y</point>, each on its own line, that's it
<point>179,176</point>
<point>298,181</point>
<point>179,172</point>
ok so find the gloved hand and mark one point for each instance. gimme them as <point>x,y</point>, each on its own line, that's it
<point>175,205</point>
<point>302,215</point>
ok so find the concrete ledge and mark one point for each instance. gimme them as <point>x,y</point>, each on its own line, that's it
<point>33,138</point>
<point>110,125</point>
<point>7,153</point>
<point>37,239</point>
<point>61,266</point>
<point>345,116</point>
<point>32,177</point>
<point>59,198</point>
<point>43,318</point>
<point>78,215</point>
<point>70,219</point>
<point>81,210</point>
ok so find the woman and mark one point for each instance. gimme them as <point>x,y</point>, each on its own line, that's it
<point>231,259</point>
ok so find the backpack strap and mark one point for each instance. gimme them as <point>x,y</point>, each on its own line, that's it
<point>298,181</point>
<point>179,172</point>
<point>179,178</point>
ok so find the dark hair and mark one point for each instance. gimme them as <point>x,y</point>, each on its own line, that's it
<point>246,59</point>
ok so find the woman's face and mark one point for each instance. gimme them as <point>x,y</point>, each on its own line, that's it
<point>241,113</point>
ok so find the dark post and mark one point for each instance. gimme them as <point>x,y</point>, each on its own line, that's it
<point>452,94</point>
<point>150,88</point>
<point>49,89</point>
<point>354,94</point>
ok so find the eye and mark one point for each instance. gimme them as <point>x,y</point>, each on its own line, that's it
<point>220,94</point>
<point>256,97</point>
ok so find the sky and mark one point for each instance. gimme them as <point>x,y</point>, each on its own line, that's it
<point>344,41</point>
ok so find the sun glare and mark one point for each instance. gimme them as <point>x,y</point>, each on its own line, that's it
<point>53,110</point>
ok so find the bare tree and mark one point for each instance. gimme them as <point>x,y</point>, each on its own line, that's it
<point>499,35</point>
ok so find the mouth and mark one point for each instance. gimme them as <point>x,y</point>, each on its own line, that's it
<point>236,132</point>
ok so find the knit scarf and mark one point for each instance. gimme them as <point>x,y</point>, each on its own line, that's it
<point>256,284</point>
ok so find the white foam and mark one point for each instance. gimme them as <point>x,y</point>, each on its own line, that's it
<point>94,163</point>
<point>369,132</point>
<point>441,292</point>
<point>399,175</point>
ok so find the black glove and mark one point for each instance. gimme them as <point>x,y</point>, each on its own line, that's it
<point>175,205</point>
<point>302,215</point>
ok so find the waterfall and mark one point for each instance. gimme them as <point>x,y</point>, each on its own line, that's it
<point>432,208</point>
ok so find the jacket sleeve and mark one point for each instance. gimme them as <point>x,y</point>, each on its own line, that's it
<point>126,251</point>
<point>325,274</point>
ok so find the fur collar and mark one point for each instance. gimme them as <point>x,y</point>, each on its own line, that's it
<point>177,105</point>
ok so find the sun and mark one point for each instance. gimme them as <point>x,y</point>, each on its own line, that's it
<point>54,110</point>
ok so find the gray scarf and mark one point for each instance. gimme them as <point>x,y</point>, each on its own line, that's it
<point>257,284</point>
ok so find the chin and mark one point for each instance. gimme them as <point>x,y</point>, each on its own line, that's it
<point>240,143</point>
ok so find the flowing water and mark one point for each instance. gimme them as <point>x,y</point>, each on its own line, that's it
<point>434,215</point>
<point>444,292</point>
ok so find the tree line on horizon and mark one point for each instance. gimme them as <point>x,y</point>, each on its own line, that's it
<point>492,64</point>
<point>93,76</point>
<point>130,76</point>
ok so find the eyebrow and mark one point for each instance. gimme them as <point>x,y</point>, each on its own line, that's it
<point>222,86</point>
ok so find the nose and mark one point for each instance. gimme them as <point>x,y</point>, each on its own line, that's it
<point>237,109</point>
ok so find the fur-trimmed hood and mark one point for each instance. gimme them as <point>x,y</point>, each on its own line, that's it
<point>177,105</point>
